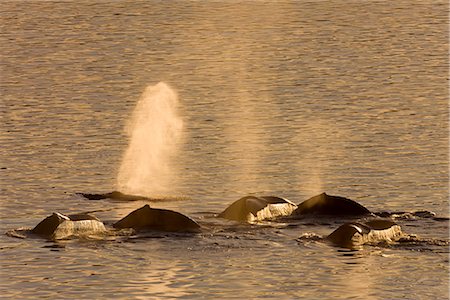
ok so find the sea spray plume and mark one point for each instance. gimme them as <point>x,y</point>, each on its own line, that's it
<point>154,135</point>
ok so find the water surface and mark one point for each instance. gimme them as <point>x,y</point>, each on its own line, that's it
<point>288,98</point>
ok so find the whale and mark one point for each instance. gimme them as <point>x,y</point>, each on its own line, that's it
<point>147,218</point>
<point>328,205</point>
<point>59,226</point>
<point>355,234</point>
<point>116,195</point>
<point>253,209</point>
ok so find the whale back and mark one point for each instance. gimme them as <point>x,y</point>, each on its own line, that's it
<point>324,204</point>
<point>49,224</point>
<point>82,216</point>
<point>344,235</point>
<point>354,234</point>
<point>240,209</point>
<point>251,208</point>
<point>59,226</point>
<point>380,224</point>
<point>124,197</point>
<point>115,195</point>
<point>157,219</point>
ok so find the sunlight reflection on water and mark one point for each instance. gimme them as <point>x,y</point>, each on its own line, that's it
<point>288,98</point>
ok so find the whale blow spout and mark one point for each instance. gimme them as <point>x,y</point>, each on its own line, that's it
<point>155,133</point>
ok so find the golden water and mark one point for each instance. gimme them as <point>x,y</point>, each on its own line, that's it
<point>288,98</point>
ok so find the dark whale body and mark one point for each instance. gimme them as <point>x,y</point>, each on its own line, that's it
<point>324,204</point>
<point>147,218</point>
<point>113,195</point>
<point>251,208</point>
<point>355,234</point>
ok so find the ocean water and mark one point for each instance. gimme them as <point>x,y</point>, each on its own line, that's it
<point>286,98</point>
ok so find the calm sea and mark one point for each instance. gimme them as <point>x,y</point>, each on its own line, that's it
<point>287,98</point>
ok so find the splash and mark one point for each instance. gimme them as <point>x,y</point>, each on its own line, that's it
<point>155,132</point>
